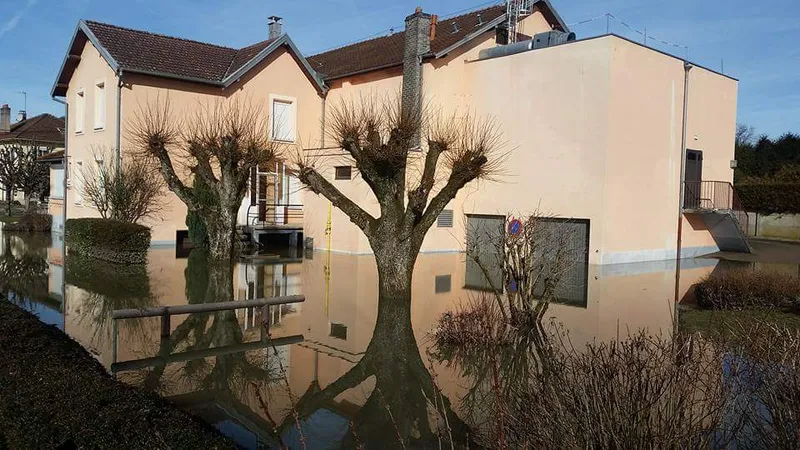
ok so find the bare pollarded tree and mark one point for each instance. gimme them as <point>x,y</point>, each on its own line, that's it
<point>412,185</point>
<point>221,143</point>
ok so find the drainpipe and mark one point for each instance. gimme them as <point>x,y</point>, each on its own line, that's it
<point>681,188</point>
<point>322,123</point>
<point>119,120</point>
<point>64,212</point>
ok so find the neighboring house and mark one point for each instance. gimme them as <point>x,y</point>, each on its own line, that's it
<point>599,130</point>
<point>55,205</point>
<point>40,134</point>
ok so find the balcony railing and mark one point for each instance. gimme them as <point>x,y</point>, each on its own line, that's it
<point>265,213</point>
<point>715,196</point>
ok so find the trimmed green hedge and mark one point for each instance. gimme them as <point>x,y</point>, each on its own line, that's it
<point>770,198</point>
<point>108,240</point>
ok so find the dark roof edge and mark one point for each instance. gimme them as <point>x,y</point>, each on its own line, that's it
<point>359,72</point>
<point>489,25</point>
<point>84,28</point>
<point>557,16</point>
<point>263,54</point>
<point>230,79</point>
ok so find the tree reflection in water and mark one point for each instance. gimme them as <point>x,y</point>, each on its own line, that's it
<point>23,267</point>
<point>234,375</point>
<point>405,408</point>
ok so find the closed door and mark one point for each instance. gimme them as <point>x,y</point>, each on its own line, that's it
<point>693,178</point>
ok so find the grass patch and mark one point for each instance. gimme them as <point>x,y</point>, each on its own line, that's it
<point>741,289</point>
<point>719,323</point>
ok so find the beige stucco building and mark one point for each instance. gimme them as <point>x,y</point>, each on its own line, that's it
<point>599,130</point>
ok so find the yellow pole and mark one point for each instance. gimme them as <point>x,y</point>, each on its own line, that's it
<point>328,229</point>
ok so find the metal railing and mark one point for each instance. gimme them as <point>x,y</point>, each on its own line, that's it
<point>264,213</point>
<point>715,196</point>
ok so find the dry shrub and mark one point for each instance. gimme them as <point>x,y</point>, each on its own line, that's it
<point>745,288</point>
<point>31,221</point>
<point>531,388</point>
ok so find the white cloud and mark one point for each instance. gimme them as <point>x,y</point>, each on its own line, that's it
<point>12,23</point>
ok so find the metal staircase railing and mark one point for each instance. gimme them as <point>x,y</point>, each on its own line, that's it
<point>715,196</point>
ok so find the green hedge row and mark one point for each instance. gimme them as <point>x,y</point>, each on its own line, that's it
<point>108,240</point>
<point>770,198</point>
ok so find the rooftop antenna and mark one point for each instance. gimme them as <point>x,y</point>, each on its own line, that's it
<point>515,9</point>
<point>25,101</point>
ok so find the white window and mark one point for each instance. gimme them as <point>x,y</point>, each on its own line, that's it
<point>100,105</point>
<point>283,120</point>
<point>80,110</point>
<point>77,182</point>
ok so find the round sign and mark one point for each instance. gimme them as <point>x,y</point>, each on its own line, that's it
<point>515,227</point>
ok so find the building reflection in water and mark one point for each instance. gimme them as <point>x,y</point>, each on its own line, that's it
<point>257,388</point>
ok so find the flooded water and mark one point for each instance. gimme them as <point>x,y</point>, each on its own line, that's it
<point>295,383</point>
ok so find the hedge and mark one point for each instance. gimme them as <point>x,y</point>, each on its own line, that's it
<point>770,198</point>
<point>31,221</point>
<point>108,240</point>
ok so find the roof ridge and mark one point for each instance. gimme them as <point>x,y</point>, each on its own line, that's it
<point>457,15</point>
<point>194,41</point>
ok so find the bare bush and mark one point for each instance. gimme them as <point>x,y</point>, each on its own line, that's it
<point>746,288</point>
<point>130,192</point>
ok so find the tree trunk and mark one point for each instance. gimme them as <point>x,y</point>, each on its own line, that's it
<point>221,229</point>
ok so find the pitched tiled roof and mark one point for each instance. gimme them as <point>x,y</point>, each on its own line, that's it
<point>387,51</point>
<point>52,157</point>
<point>44,128</point>
<point>150,52</point>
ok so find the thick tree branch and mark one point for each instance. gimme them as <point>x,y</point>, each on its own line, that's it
<point>172,179</point>
<point>418,197</point>
<point>459,177</point>
<point>319,185</point>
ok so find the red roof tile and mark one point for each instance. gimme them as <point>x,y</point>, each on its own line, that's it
<point>387,51</point>
<point>151,52</point>
<point>44,128</point>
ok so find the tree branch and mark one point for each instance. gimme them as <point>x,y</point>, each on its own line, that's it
<point>319,185</point>
<point>418,198</point>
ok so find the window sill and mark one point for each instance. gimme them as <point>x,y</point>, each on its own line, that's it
<point>79,133</point>
<point>97,130</point>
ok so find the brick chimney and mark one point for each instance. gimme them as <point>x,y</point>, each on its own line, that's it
<point>275,27</point>
<point>417,43</point>
<point>5,119</point>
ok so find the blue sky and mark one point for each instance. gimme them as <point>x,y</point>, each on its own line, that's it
<point>757,41</point>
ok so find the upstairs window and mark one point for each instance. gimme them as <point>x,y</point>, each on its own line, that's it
<point>283,120</point>
<point>80,110</point>
<point>344,173</point>
<point>100,105</point>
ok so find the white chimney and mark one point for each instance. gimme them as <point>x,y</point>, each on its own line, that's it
<point>5,119</point>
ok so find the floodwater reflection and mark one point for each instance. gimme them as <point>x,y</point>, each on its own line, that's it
<point>330,372</point>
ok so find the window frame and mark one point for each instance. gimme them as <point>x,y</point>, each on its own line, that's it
<point>341,178</point>
<point>100,119</point>
<point>292,101</point>
<point>77,184</point>
<point>80,110</point>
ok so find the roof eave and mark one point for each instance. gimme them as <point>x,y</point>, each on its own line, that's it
<point>263,54</point>
<point>90,36</point>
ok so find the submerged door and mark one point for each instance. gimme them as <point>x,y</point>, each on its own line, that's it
<point>693,177</point>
